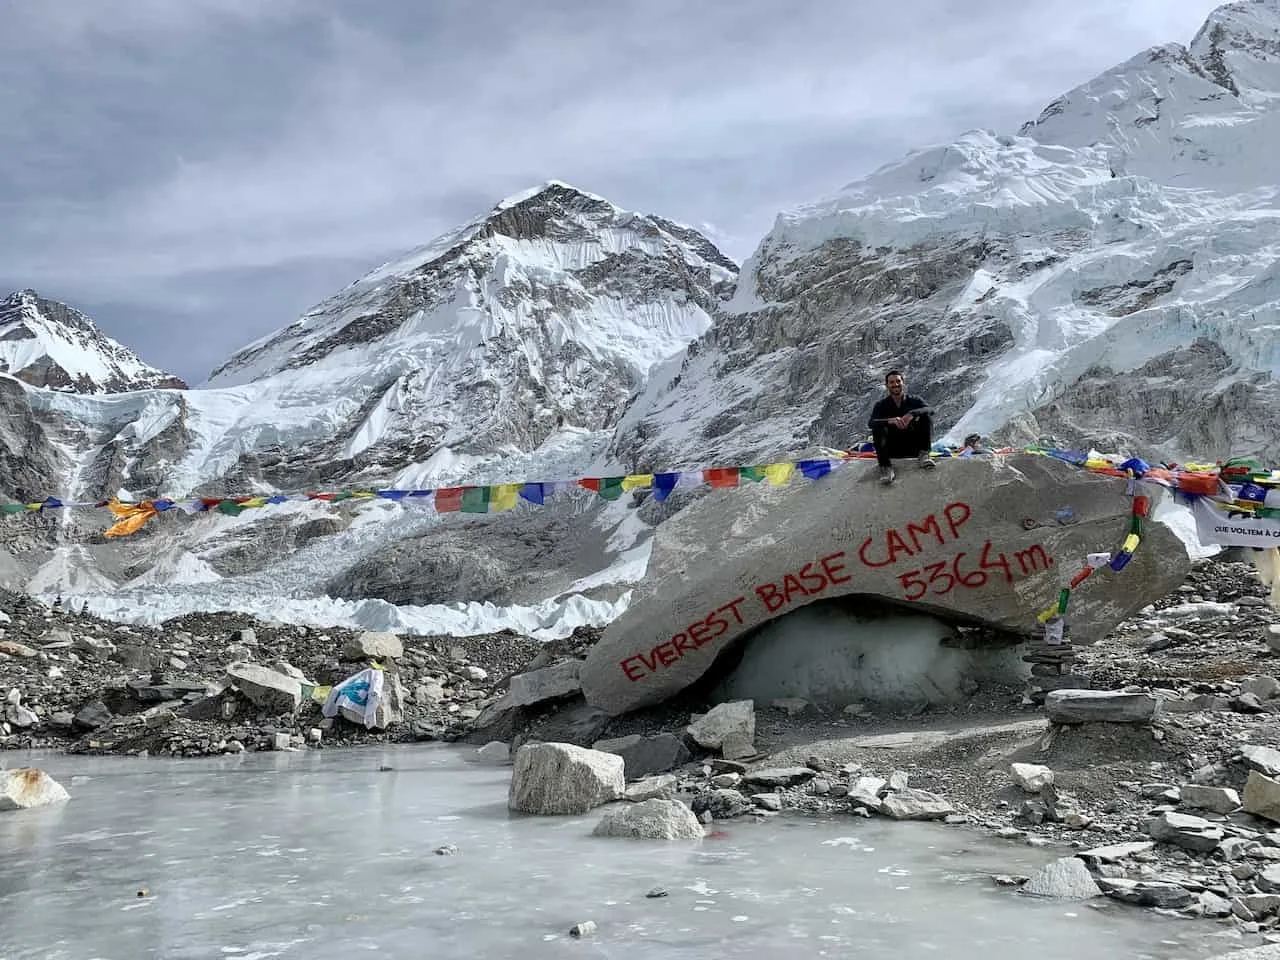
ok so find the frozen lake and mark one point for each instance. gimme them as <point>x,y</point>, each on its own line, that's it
<point>321,854</point>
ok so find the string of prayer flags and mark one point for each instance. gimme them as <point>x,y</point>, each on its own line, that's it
<point>1237,502</point>
<point>1140,507</point>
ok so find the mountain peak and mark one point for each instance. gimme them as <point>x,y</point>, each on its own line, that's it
<point>568,249</point>
<point>549,191</point>
<point>48,344</point>
<point>1239,48</point>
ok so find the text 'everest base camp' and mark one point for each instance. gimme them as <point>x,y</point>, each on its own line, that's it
<point>570,505</point>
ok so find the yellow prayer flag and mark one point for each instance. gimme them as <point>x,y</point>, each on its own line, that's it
<point>1130,543</point>
<point>503,496</point>
<point>254,502</point>
<point>776,474</point>
<point>637,481</point>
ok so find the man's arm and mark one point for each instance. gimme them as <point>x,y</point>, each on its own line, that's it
<point>878,414</point>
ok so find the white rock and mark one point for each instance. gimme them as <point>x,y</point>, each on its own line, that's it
<point>725,720</point>
<point>428,693</point>
<point>266,688</point>
<point>1031,777</point>
<point>1099,706</point>
<point>1180,829</point>
<point>1213,799</point>
<point>28,787</point>
<point>373,645</point>
<point>1262,796</point>
<point>662,787</point>
<point>1064,879</point>
<point>865,791</point>
<point>560,778</point>
<point>650,820</point>
<point>911,804</point>
<point>21,717</point>
<point>1263,759</point>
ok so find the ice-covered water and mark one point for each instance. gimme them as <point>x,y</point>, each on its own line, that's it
<point>323,854</point>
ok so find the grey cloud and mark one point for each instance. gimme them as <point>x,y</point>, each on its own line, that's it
<point>212,162</point>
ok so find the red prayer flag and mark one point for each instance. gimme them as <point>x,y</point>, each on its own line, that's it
<point>721,477</point>
<point>449,499</point>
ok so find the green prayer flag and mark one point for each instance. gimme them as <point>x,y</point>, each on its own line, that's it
<point>475,500</point>
<point>230,508</point>
<point>754,474</point>
<point>13,508</point>
<point>611,487</point>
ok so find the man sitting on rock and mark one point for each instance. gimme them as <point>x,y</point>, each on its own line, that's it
<point>900,427</point>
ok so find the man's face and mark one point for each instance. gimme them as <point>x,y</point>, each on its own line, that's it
<point>896,386</point>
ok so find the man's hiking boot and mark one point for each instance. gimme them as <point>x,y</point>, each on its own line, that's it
<point>925,461</point>
<point>886,475</point>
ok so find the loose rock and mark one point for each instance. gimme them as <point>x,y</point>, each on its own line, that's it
<point>559,778</point>
<point>650,820</point>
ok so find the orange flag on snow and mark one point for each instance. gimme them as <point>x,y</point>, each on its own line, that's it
<point>130,517</point>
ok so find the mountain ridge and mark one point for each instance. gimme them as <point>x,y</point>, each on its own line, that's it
<point>47,344</point>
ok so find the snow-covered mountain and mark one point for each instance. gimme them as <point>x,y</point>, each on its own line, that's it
<point>1108,275</point>
<point>49,344</point>
<point>509,347</point>
<point>544,315</point>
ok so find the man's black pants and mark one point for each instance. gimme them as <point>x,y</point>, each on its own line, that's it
<point>894,444</point>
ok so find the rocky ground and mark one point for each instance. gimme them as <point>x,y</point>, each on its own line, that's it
<point>1167,791</point>
<point>89,686</point>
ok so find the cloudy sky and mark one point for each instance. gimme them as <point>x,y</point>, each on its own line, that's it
<point>196,173</point>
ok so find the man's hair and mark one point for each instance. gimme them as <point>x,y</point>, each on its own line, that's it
<point>971,439</point>
<point>891,373</point>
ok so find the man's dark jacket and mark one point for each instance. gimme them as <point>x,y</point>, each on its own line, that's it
<point>886,409</point>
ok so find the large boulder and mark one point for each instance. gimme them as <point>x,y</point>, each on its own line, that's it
<point>28,787</point>
<point>372,645</point>
<point>1099,706</point>
<point>548,683</point>
<point>265,688</point>
<point>1064,879</point>
<point>657,819</point>
<point>559,778</point>
<point>981,541</point>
